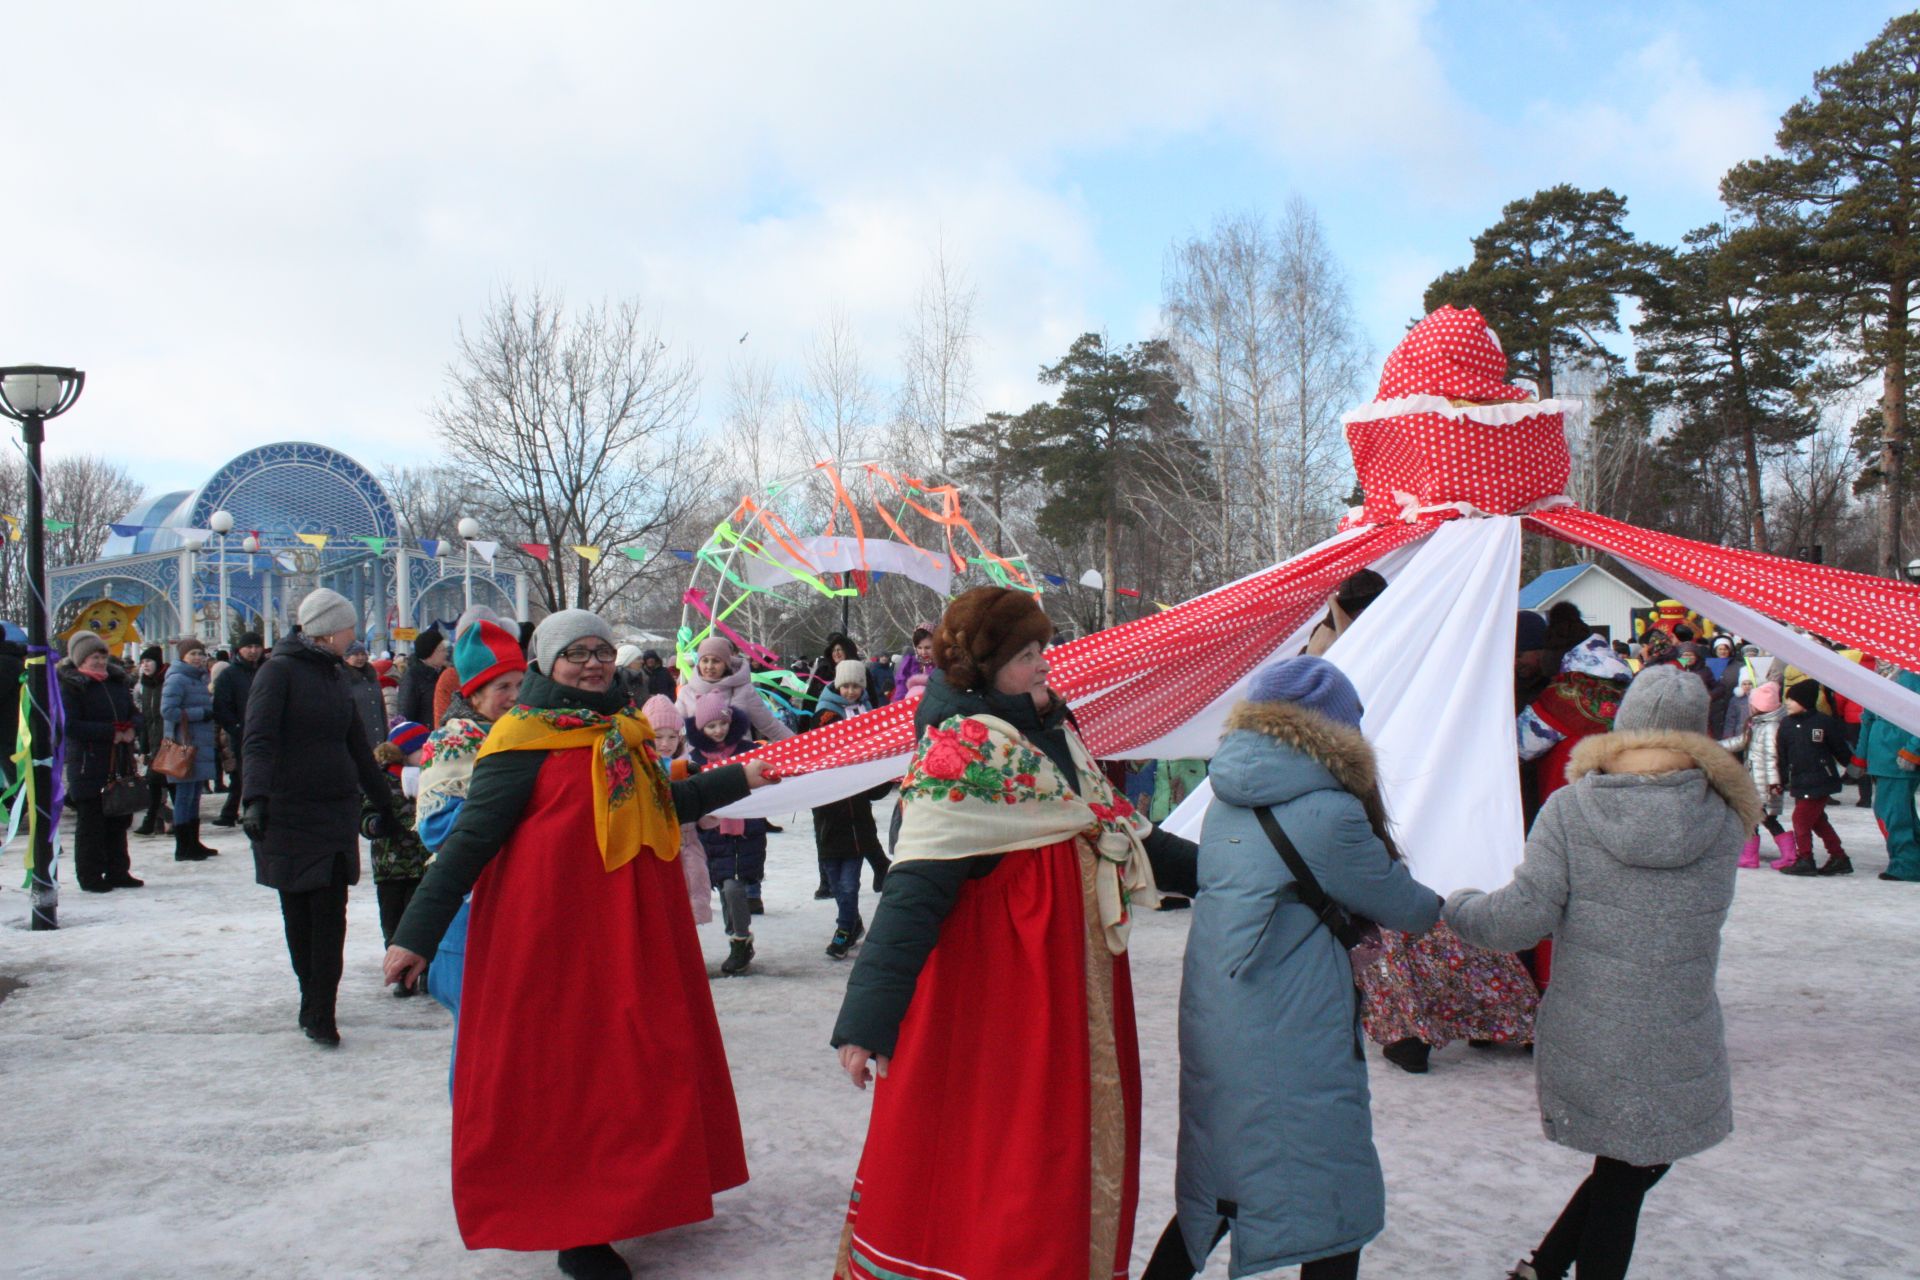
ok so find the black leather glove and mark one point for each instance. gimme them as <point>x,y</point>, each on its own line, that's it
<point>378,824</point>
<point>253,819</point>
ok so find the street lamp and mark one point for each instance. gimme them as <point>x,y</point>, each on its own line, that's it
<point>1913,570</point>
<point>30,394</point>
<point>221,522</point>
<point>469,530</point>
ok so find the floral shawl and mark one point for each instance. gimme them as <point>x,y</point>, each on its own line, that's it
<point>977,786</point>
<point>446,767</point>
<point>632,804</point>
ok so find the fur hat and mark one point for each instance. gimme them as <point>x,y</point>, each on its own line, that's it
<point>82,645</point>
<point>710,706</point>
<point>1312,683</point>
<point>982,631</point>
<point>852,671</point>
<point>181,648</point>
<point>484,652</point>
<point>323,612</point>
<point>1765,698</point>
<point>1806,693</point>
<point>408,735</point>
<point>716,647</point>
<point>1665,698</point>
<point>559,630</point>
<point>473,614</point>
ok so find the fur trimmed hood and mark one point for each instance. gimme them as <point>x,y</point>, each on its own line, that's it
<point>1344,754</point>
<point>1607,753</point>
<point>1347,755</point>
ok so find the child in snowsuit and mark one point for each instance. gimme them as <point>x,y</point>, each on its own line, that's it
<point>1813,750</point>
<point>736,847</point>
<point>670,744</point>
<point>843,832</point>
<point>399,859</point>
<point>1758,741</point>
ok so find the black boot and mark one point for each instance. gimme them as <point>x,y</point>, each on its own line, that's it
<point>1410,1055</point>
<point>1838,865</point>
<point>323,1032</point>
<point>193,835</point>
<point>594,1262</point>
<point>185,847</point>
<point>149,825</point>
<point>739,956</point>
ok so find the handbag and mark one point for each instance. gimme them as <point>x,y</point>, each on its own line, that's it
<point>1359,935</point>
<point>175,758</point>
<point>125,792</point>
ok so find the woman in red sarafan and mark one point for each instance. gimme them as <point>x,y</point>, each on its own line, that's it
<point>591,1097</point>
<point>992,997</point>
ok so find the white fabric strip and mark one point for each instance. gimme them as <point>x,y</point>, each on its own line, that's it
<point>1433,662</point>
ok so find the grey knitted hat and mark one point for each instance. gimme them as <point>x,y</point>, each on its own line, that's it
<point>1664,698</point>
<point>324,612</point>
<point>558,630</point>
<point>82,644</point>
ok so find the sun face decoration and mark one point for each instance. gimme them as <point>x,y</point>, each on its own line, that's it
<point>111,620</point>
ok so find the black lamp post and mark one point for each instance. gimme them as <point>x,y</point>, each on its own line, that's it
<point>30,394</point>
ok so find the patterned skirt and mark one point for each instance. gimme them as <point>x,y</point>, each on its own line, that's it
<point>1438,989</point>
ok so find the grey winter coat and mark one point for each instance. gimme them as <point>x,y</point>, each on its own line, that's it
<point>186,691</point>
<point>1632,873</point>
<point>1275,1115</point>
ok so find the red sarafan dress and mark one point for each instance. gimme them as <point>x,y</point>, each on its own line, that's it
<point>591,1096</point>
<point>1012,1097</point>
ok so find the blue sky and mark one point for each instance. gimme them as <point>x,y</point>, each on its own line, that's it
<point>266,222</point>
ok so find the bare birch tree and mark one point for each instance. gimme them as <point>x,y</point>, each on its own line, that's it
<point>576,428</point>
<point>936,391</point>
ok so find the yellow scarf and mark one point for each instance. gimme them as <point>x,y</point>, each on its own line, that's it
<point>632,805</point>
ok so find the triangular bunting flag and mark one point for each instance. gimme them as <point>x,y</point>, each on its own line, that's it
<point>635,554</point>
<point>684,555</point>
<point>430,545</point>
<point>486,549</point>
<point>13,528</point>
<point>590,554</point>
<point>538,550</point>
<point>318,541</point>
<point>57,526</point>
<point>126,530</point>
<point>379,545</point>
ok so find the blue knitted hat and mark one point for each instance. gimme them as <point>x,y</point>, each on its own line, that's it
<point>1313,683</point>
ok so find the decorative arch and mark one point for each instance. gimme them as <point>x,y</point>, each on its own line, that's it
<point>300,486</point>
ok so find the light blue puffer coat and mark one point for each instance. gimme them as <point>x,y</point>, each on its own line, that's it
<point>1276,1127</point>
<point>186,692</point>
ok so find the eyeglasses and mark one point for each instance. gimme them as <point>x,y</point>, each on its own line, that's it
<point>580,655</point>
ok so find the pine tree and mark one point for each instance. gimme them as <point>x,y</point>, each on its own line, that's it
<point>1110,432</point>
<point>1548,277</point>
<point>1731,341</point>
<point>1849,177</point>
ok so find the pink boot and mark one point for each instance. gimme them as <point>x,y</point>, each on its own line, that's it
<point>1789,851</point>
<point>1750,855</point>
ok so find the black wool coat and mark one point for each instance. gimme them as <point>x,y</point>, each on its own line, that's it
<point>305,753</point>
<point>1811,749</point>
<point>93,710</point>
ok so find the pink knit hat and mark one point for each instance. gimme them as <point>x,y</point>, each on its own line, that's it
<point>711,706</point>
<point>716,647</point>
<point>1765,698</point>
<point>663,715</point>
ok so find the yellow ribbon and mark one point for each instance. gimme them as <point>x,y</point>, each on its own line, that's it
<point>632,805</point>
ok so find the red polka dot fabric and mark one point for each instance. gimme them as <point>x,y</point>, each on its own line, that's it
<point>1879,615</point>
<point>1189,655</point>
<point>1452,354</point>
<point>1430,454</point>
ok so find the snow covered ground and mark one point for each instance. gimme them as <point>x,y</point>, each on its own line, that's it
<point>166,1119</point>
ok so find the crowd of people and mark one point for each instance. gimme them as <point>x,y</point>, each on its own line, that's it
<point>546,813</point>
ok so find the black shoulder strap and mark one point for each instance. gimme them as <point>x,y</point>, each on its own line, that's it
<point>1311,894</point>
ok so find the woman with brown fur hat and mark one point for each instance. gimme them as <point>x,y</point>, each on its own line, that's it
<point>1003,923</point>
